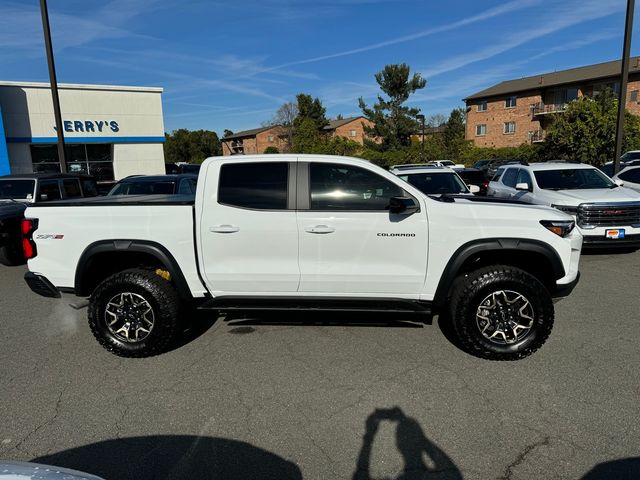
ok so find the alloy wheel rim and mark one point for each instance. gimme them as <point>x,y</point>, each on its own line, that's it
<point>505,317</point>
<point>129,317</point>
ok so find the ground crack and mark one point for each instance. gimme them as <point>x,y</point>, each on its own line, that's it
<point>508,472</point>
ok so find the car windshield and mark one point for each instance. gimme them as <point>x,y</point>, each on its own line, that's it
<point>573,179</point>
<point>17,189</point>
<point>630,156</point>
<point>144,188</point>
<point>475,178</point>
<point>446,162</point>
<point>436,183</point>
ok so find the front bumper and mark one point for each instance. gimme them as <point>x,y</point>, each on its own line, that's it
<point>41,285</point>
<point>565,289</point>
<point>597,241</point>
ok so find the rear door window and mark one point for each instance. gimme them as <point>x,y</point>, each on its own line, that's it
<point>51,189</point>
<point>71,188</point>
<point>260,185</point>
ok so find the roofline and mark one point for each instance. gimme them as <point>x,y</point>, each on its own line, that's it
<point>82,86</point>
<point>255,131</point>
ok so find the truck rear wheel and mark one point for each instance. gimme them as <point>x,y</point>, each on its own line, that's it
<point>134,313</point>
<point>501,313</point>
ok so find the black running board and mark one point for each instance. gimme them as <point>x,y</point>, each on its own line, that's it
<point>325,304</point>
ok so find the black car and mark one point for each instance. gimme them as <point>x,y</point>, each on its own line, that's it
<point>156,185</point>
<point>19,191</point>
<point>177,168</point>
<point>483,164</point>
<point>474,176</point>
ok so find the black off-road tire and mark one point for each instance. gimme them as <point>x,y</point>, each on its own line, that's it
<point>473,288</point>
<point>161,296</point>
<point>11,255</point>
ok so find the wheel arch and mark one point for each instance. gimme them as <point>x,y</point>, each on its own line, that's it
<point>538,258</point>
<point>106,257</point>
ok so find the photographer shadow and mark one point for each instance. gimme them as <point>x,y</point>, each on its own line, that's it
<point>423,460</point>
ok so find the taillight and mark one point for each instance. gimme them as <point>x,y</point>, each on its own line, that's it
<point>29,225</point>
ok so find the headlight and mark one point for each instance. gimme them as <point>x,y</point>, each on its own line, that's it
<point>559,227</point>
<point>567,209</point>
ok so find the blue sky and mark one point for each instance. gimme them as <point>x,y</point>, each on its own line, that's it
<point>230,64</point>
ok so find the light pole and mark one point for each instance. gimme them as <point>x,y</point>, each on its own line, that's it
<point>624,76</point>
<point>54,84</point>
<point>421,118</point>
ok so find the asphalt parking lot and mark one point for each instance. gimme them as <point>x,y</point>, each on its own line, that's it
<point>296,397</point>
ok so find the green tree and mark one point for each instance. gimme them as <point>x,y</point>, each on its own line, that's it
<point>227,133</point>
<point>586,130</point>
<point>271,149</point>
<point>393,121</point>
<point>307,138</point>
<point>310,108</point>
<point>453,136</point>
<point>183,145</point>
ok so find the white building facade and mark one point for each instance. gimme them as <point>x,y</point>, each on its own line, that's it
<point>110,131</point>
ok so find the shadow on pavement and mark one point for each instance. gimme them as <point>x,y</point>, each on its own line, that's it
<point>175,456</point>
<point>625,469</point>
<point>421,457</point>
<point>326,319</point>
<point>196,323</point>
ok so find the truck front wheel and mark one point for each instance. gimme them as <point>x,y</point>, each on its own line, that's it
<point>501,313</point>
<point>134,313</point>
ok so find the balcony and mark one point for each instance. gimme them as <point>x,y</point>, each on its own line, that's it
<point>542,108</point>
<point>536,136</point>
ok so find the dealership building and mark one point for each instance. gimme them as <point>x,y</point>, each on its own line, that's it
<point>110,131</point>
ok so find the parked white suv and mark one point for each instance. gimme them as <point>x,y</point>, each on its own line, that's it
<point>606,213</point>
<point>630,176</point>
<point>433,180</point>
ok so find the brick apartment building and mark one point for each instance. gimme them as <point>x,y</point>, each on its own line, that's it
<point>258,139</point>
<point>514,112</point>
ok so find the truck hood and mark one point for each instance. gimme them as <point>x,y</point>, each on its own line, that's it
<point>509,208</point>
<point>595,195</point>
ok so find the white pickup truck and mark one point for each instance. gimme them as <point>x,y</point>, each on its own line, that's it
<point>272,232</point>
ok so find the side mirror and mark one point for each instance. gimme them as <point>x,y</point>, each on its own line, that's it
<point>403,205</point>
<point>523,186</point>
<point>474,188</point>
<point>618,182</point>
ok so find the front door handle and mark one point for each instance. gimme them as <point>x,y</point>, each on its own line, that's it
<point>320,229</point>
<point>224,229</point>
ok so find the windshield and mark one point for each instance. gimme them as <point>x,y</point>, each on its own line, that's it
<point>573,179</point>
<point>436,183</point>
<point>475,178</point>
<point>630,156</point>
<point>17,189</point>
<point>447,162</point>
<point>144,188</point>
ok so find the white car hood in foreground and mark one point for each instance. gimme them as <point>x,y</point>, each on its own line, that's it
<point>594,195</point>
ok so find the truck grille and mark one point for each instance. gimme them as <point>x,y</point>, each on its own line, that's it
<point>609,214</point>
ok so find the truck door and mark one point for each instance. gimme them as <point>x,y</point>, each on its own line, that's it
<point>248,230</point>
<point>349,241</point>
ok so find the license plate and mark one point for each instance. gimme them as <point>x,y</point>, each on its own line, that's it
<point>614,233</point>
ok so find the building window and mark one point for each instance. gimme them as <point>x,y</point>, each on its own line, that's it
<point>481,130</point>
<point>598,88</point>
<point>510,102</point>
<point>352,133</point>
<point>482,106</point>
<point>270,138</point>
<point>634,96</point>
<point>509,127</point>
<point>95,159</point>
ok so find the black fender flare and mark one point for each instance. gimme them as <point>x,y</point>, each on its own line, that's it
<point>466,251</point>
<point>143,246</point>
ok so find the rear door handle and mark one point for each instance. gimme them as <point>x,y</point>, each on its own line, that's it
<point>320,229</point>
<point>224,229</point>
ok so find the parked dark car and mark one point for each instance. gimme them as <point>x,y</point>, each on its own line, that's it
<point>483,164</point>
<point>474,176</point>
<point>176,168</point>
<point>494,165</point>
<point>19,191</point>
<point>156,185</point>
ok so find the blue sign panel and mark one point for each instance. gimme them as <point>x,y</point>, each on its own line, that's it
<point>5,168</point>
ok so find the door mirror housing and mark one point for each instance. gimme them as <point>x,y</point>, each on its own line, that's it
<point>523,187</point>
<point>474,188</point>
<point>403,205</point>
<point>618,182</point>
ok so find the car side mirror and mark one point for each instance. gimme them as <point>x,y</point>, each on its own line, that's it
<point>403,205</point>
<point>474,188</point>
<point>618,182</point>
<point>523,186</point>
